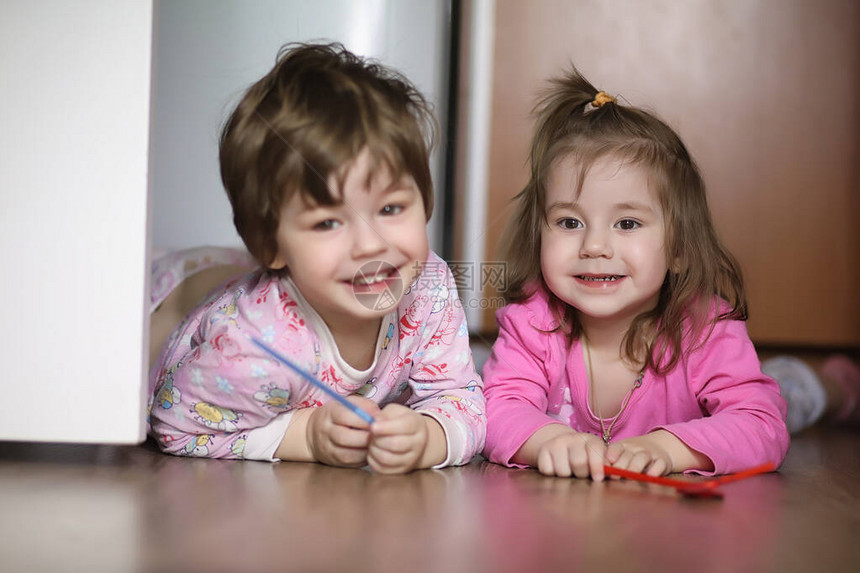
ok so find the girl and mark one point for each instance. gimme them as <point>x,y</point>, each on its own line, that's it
<point>326,166</point>
<point>623,342</point>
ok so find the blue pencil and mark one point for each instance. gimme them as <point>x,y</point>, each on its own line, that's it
<point>307,376</point>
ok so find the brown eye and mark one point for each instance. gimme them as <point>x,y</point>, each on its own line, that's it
<point>569,223</point>
<point>628,224</point>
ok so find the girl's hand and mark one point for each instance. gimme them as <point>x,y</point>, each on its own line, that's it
<point>658,453</point>
<point>642,454</point>
<point>336,436</point>
<point>572,453</point>
<point>403,440</point>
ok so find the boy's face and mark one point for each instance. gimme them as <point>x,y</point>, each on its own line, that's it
<point>353,261</point>
<point>604,251</point>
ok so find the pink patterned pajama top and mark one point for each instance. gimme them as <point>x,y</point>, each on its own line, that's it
<point>214,393</point>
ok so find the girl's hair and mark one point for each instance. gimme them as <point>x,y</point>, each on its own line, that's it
<point>308,119</point>
<point>572,121</point>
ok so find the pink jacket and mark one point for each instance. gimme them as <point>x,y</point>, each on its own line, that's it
<point>716,400</point>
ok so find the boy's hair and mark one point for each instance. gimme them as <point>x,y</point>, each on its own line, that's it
<point>568,124</point>
<point>308,119</point>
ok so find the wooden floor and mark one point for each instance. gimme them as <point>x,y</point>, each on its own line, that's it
<point>108,508</point>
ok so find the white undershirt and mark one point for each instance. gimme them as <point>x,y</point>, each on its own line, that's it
<point>263,442</point>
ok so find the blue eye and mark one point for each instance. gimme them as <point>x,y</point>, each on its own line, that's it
<point>326,225</point>
<point>569,223</point>
<point>628,224</point>
<point>391,209</point>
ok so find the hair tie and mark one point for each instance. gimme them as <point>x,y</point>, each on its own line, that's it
<point>603,98</point>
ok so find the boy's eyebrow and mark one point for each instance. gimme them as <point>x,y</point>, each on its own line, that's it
<point>309,207</point>
<point>403,182</point>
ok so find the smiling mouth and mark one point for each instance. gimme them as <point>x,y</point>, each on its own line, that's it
<point>372,280</point>
<point>379,273</point>
<point>600,278</point>
<point>377,286</point>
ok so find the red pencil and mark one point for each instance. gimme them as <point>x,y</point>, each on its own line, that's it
<point>707,488</point>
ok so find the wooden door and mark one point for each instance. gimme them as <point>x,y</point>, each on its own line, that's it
<point>766,94</point>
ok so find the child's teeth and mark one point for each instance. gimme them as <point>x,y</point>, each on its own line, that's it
<point>371,280</point>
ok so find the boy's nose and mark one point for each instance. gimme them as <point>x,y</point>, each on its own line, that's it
<point>367,241</point>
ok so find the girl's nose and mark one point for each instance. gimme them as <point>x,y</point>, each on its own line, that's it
<point>596,243</point>
<point>366,240</point>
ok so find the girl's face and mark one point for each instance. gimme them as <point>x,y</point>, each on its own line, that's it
<point>603,252</point>
<point>353,261</point>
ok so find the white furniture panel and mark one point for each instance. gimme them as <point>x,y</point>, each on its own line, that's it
<point>75,84</point>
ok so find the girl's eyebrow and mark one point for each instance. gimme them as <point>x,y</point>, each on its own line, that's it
<point>624,206</point>
<point>563,205</point>
<point>633,206</point>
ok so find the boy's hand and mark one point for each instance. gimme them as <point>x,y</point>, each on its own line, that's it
<point>403,440</point>
<point>336,436</point>
<point>572,453</point>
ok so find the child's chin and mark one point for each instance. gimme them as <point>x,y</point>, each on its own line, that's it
<point>373,305</point>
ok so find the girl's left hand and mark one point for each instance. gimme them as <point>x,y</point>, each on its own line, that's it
<point>642,454</point>
<point>399,439</point>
